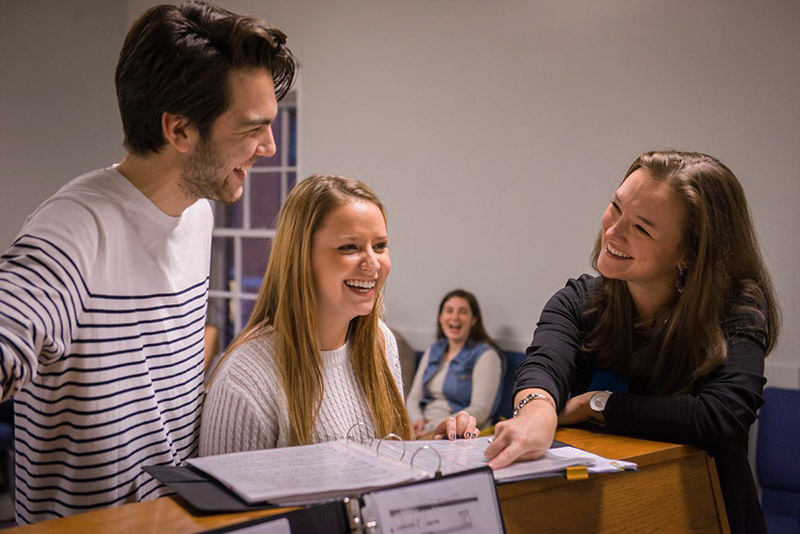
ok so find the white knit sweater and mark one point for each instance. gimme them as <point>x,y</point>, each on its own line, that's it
<point>245,409</point>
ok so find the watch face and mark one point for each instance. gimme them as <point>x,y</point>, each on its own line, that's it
<point>598,401</point>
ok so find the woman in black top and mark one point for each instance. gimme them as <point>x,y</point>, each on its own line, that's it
<point>683,308</point>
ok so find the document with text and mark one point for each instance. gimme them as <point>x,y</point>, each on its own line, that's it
<point>309,473</point>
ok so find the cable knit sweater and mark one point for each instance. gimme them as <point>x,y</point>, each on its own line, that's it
<point>246,409</point>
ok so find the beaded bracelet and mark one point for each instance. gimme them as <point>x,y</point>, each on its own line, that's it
<point>529,398</point>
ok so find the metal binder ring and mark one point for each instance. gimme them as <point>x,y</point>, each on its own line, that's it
<point>438,456</point>
<point>395,436</point>
<point>361,423</point>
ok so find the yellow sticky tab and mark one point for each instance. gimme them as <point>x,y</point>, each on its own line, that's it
<point>578,472</point>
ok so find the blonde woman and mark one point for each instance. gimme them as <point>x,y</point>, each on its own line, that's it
<point>315,359</point>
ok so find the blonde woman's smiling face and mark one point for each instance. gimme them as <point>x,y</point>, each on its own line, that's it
<point>350,260</point>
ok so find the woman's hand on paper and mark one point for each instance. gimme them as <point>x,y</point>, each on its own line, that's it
<point>525,437</point>
<point>460,425</point>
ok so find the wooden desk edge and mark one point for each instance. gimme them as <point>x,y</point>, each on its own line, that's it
<point>137,517</point>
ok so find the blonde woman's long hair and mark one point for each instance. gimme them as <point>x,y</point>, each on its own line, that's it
<point>287,303</point>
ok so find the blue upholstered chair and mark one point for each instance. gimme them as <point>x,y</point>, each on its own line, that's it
<point>6,446</point>
<point>778,459</point>
<point>506,407</point>
<point>6,425</point>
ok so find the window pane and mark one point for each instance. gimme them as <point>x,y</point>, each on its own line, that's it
<point>227,216</point>
<point>220,315</point>
<point>221,263</point>
<point>265,198</point>
<point>292,117</point>
<point>246,309</point>
<point>255,253</point>
<point>275,161</point>
<point>291,181</point>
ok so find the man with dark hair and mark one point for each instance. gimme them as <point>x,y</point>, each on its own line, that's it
<point>103,293</point>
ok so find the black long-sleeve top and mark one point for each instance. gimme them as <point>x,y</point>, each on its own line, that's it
<point>716,416</point>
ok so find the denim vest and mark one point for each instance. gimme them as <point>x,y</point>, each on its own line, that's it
<point>457,387</point>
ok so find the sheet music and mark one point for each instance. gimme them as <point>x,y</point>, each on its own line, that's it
<point>310,470</point>
<point>465,504</point>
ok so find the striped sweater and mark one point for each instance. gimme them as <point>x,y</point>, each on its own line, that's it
<point>246,406</point>
<point>102,311</point>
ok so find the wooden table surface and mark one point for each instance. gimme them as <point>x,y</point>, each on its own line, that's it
<point>676,489</point>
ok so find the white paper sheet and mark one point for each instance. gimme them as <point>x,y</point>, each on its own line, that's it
<point>321,469</point>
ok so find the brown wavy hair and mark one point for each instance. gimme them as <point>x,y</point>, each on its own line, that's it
<point>287,304</point>
<point>726,278</point>
<point>477,332</point>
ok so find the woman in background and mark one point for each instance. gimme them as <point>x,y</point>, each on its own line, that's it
<point>463,370</point>
<point>683,307</point>
<point>315,359</point>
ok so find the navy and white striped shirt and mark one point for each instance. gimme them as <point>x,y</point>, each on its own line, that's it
<point>102,312</point>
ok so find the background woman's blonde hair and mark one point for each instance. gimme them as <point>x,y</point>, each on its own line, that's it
<point>287,302</point>
<point>726,281</point>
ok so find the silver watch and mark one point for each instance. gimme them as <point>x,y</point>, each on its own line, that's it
<point>599,400</point>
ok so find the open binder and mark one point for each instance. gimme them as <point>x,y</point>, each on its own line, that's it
<point>364,472</point>
<point>464,502</point>
<point>309,473</point>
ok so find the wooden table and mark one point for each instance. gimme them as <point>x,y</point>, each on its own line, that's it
<point>675,490</point>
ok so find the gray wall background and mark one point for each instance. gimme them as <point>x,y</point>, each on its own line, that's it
<point>494,131</point>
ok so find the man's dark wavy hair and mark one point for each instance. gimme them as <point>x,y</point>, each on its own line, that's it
<point>176,59</point>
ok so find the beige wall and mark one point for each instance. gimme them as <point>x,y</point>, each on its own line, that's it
<point>494,131</point>
<point>58,109</point>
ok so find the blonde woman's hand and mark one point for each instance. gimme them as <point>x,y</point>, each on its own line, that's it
<point>418,428</point>
<point>459,425</point>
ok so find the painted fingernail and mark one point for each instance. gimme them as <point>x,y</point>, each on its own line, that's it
<point>452,436</point>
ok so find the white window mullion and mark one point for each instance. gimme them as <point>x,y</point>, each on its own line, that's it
<point>237,290</point>
<point>284,154</point>
<point>268,233</point>
<point>246,202</point>
<point>217,293</point>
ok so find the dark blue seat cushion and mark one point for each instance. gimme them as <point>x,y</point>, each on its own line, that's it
<point>6,425</point>
<point>506,407</point>
<point>777,464</point>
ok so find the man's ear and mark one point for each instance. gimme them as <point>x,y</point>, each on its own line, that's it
<point>178,132</point>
